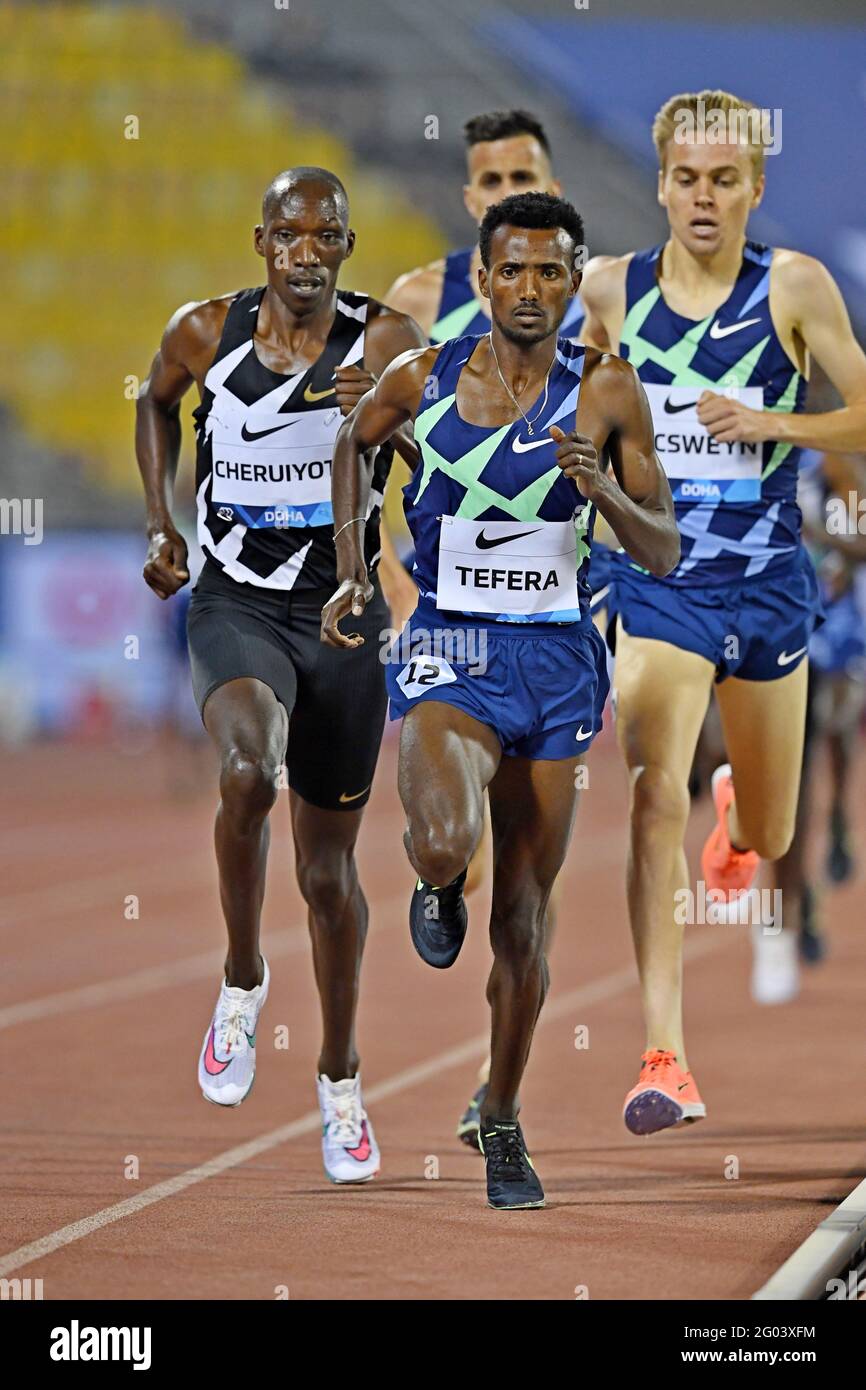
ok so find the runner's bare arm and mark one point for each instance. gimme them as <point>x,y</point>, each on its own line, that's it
<point>602,290</point>
<point>389,334</point>
<point>613,417</point>
<point>378,414</point>
<point>806,301</point>
<point>186,350</point>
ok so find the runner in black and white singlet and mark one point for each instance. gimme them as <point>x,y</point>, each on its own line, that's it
<point>265,440</point>
<point>500,673</point>
<point>277,369</point>
<point>720,330</point>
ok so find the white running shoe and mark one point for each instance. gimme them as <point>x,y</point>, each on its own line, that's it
<point>349,1149</point>
<point>775,966</point>
<point>227,1065</point>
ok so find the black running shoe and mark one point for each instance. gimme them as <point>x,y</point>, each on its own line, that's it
<point>467,1128</point>
<point>512,1182</point>
<point>812,941</point>
<point>438,921</point>
<point>840,861</point>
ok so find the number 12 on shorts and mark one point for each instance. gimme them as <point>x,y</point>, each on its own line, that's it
<point>422,673</point>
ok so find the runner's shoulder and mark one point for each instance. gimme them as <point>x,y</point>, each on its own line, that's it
<point>384,319</point>
<point>196,327</point>
<point>603,281</point>
<point>606,372</point>
<point>413,291</point>
<point>611,386</point>
<point>414,367</point>
<point>796,274</point>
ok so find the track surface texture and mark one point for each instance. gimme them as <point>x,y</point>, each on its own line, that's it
<point>102,1018</point>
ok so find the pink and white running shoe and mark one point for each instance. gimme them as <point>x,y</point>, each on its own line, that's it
<point>349,1149</point>
<point>227,1065</point>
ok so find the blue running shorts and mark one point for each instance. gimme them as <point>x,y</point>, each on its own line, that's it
<point>757,629</point>
<point>540,687</point>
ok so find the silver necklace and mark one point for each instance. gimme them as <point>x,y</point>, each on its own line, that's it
<point>540,411</point>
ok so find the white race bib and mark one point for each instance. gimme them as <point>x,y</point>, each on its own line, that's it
<point>423,673</point>
<point>273,470</point>
<point>520,567</point>
<point>699,468</point>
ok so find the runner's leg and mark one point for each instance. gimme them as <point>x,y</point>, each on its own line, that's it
<point>661,694</point>
<point>532,805</point>
<point>338,917</point>
<point>447,758</point>
<point>764,723</point>
<point>249,726</point>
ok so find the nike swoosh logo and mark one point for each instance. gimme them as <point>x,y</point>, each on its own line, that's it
<point>260,434</point>
<point>344,797</point>
<point>488,542</point>
<point>310,395</point>
<point>785,659</point>
<point>212,1065</point>
<point>363,1151</point>
<point>520,448</point>
<point>717,332</point>
<point>581,735</point>
<point>683,1086</point>
<point>671,409</point>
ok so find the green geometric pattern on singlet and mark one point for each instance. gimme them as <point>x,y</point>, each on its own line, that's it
<point>678,359</point>
<point>452,325</point>
<point>479,496</point>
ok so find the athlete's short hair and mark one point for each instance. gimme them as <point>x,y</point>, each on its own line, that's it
<point>501,125</point>
<point>698,111</point>
<point>533,210</point>
<point>282,184</point>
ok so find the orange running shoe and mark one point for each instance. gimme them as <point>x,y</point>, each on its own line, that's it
<point>731,870</point>
<point>665,1095</point>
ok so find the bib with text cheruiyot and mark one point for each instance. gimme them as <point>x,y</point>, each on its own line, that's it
<point>274,470</point>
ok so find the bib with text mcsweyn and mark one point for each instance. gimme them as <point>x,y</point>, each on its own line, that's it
<point>700,468</point>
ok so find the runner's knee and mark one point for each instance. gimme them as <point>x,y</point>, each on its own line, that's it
<point>248,783</point>
<point>517,931</point>
<point>660,803</point>
<point>327,880</point>
<point>441,849</point>
<point>768,841</point>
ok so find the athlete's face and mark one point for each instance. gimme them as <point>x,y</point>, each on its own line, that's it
<point>498,168</point>
<point>529,282</point>
<point>304,241</point>
<point>709,191</point>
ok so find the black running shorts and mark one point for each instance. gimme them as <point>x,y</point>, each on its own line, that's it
<point>335,699</point>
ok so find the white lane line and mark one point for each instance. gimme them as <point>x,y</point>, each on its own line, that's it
<point>824,1255</point>
<point>76,894</point>
<point>608,987</point>
<point>60,899</point>
<point>156,977</point>
<point>601,852</point>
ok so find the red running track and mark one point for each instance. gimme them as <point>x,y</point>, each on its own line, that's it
<point>102,1018</point>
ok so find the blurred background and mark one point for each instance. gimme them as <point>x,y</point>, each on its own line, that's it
<point>136,141</point>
